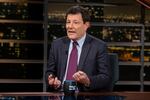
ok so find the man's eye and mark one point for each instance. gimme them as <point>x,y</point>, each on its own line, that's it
<point>76,22</point>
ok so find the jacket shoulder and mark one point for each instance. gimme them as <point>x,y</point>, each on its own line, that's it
<point>95,40</point>
<point>60,41</point>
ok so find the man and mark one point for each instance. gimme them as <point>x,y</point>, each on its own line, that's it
<point>92,72</point>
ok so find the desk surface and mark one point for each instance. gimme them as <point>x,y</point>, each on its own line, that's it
<point>128,95</point>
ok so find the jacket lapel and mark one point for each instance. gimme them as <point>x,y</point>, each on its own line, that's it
<point>84,52</point>
<point>64,57</point>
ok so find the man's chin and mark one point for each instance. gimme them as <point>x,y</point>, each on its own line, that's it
<point>72,37</point>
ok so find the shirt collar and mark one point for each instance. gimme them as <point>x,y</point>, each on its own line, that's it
<point>80,41</point>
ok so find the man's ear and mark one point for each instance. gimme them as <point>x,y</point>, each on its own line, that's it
<point>87,24</point>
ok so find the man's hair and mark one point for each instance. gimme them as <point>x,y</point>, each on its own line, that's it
<point>79,10</point>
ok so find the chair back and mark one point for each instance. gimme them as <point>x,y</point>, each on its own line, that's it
<point>113,62</point>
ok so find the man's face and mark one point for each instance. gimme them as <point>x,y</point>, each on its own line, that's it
<point>75,26</point>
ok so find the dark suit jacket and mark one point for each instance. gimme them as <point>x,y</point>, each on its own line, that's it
<point>93,61</point>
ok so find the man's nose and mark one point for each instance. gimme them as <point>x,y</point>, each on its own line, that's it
<point>71,25</point>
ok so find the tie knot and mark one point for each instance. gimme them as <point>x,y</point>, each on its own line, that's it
<point>75,43</point>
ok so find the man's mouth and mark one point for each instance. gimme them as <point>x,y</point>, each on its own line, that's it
<point>71,31</point>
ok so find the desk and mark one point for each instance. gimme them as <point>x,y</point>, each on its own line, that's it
<point>128,95</point>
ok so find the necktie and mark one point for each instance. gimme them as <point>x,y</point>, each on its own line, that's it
<point>72,65</point>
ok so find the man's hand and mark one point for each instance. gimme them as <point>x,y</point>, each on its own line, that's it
<point>53,81</point>
<point>82,77</point>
